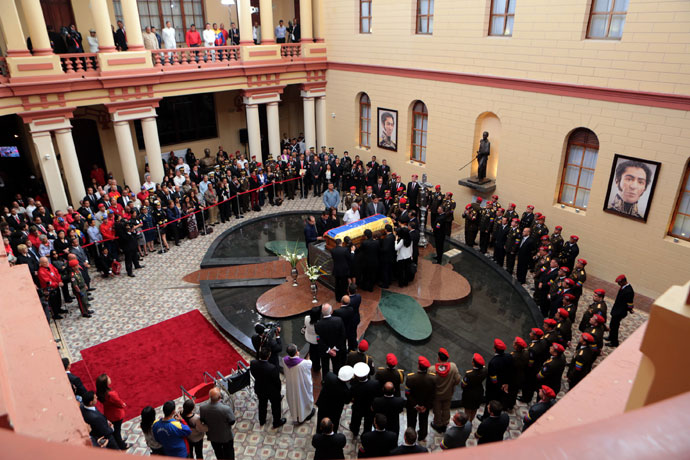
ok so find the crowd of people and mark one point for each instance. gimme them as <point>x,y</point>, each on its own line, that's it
<point>112,222</point>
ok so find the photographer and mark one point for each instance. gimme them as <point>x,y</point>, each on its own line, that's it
<point>268,336</point>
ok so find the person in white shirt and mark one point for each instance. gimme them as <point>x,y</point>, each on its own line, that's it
<point>352,214</point>
<point>148,184</point>
<point>209,38</point>
<point>179,179</point>
<point>169,40</point>
<point>93,41</point>
<point>150,39</point>
<point>256,32</point>
<point>403,247</point>
<point>182,165</point>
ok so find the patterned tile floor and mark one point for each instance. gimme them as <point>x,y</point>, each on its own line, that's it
<point>157,293</point>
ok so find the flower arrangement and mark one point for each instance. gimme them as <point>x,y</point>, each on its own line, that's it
<point>313,272</point>
<point>293,257</point>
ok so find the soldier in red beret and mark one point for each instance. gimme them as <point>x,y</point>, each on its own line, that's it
<point>527,218</point>
<point>570,252</point>
<point>487,216</point>
<point>421,388</point>
<point>564,326</point>
<point>579,275</point>
<point>566,285</point>
<point>471,215</point>
<point>546,400</point>
<point>551,335</point>
<point>511,213</point>
<point>544,280</point>
<point>582,361</point>
<point>500,371</point>
<point>556,240</point>
<point>597,328</point>
<point>80,288</point>
<point>360,356</point>
<point>598,306</point>
<point>447,378</point>
<point>538,352</point>
<point>391,373</point>
<point>473,387</point>
<point>569,305</point>
<point>551,372</point>
<point>520,357</point>
<point>621,307</point>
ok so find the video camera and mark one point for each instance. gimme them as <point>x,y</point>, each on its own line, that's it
<point>269,332</point>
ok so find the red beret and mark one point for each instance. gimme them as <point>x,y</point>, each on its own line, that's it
<point>479,199</point>
<point>477,358</point>
<point>545,237</point>
<point>620,278</point>
<point>582,261</point>
<point>400,187</point>
<point>353,188</point>
<point>543,248</point>
<point>499,345</point>
<point>537,215</point>
<point>563,312</point>
<point>529,206</point>
<point>423,362</point>
<point>74,263</point>
<point>444,352</point>
<point>489,203</point>
<point>414,175</point>
<point>495,197</point>
<point>558,347</point>
<point>515,219</point>
<point>565,269</point>
<point>568,296</point>
<point>512,205</point>
<point>575,237</point>
<point>600,292</point>
<point>548,391</point>
<point>501,209</point>
<point>438,187</point>
<point>558,227</point>
<point>369,187</point>
<point>542,217</point>
<point>468,206</point>
<point>394,175</point>
<point>550,321</point>
<point>600,319</point>
<point>520,342</point>
<point>391,359</point>
<point>538,332</point>
<point>403,200</point>
<point>101,205</point>
<point>588,337</point>
<point>363,345</point>
<point>449,194</point>
<point>569,282</point>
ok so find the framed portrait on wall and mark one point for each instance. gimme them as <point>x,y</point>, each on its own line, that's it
<point>631,187</point>
<point>388,129</point>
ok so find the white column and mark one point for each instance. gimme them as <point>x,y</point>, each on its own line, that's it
<point>70,164</point>
<point>244,16</point>
<point>11,28</point>
<point>125,147</point>
<point>130,14</point>
<point>305,21</point>
<point>153,148</point>
<point>321,122</point>
<point>273,129</point>
<point>254,130</point>
<point>309,123</point>
<point>101,20</point>
<point>50,170</point>
<point>317,12</point>
<point>33,14</point>
<point>266,13</point>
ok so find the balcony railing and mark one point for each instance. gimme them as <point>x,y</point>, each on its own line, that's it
<point>290,51</point>
<point>85,64</point>
<point>217,56</point>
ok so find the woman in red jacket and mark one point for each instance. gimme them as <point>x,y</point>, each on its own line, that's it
<point>113,407</point>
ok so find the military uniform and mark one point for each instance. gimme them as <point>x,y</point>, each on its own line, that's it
<point>552,336</point>
<point>568,254</point>
<point>473,388</point>
<point>434,203</point>
<point>565,330</point>
<point>511,214</point>
<point>517,381</point>
<point>597,332</point>
<point>595,308</point>
<point>290,185</point>
<point>512,246</point>
<point>449,208</point>
<point>447,377</point>
<point>421,388</point>
<point>471,217</point>
<point>551,372</point>
<point>79,287</point>
<point>356,356</point>
<point>556,243</point>
<point>350,197</point>
<point>486,224</point>
<point>244,197</point>
<point>537,352</point>
<point>526,220</point>
<point>394,375</point>
<point>579,276</point>
<point>500,370</point>
<point>580,364</point>
<point>619,205</point>
<point>539,230</point>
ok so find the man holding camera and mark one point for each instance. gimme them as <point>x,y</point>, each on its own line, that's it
<point>268,338</point>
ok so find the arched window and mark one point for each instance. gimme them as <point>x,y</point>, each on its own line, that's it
<point>578,169</point>
<point>364,121</point>
<point>419,130</point>
<point>680,225</point>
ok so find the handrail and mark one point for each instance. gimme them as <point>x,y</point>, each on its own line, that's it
<point>291,50</point>
<point>80,63</point>
<point>196,56</point>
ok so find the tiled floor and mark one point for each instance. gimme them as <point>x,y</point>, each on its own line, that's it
<point>158,292</point>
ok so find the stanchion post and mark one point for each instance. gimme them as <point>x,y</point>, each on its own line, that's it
<point>203,220</point>
<point>162,250</point>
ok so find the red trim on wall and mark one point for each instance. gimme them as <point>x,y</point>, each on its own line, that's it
<point>665,100</point>
<point>135,111</point>
<point>127,61</point>
<point>39,66</point>
<point>49,121</point>
<point>28,117</point>
<point>263,53</point>
<point>136,104</point>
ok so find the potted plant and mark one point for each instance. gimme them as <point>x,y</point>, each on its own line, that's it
<point>293,257</point>
<point>313,272</point>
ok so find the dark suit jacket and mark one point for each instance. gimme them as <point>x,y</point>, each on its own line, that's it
<point>97,422</point>
<point>378,444</point>
<point>331,333</point>
<point>391,408</point>
<point>77,385</point>
<point>412,193</point>
<point>388,249</point>
<point>342,258</point>
<point>379,190</point>
<point>266,378</point>
<point>355,302</point>
<point>406,450</point>
<point>370,251</point>
<point>373,209</point>
<point>12,221</point>
<point>321,226</point>
<point>120,40</point>
<point>501,235</point>
<point>364,393</point>
<point>526,250</point>
<point>310,233</point>
<point>328,446</point>
<point>623,302</point>
<point>347,314</point>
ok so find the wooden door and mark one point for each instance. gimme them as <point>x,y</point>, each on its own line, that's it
<point>58,13</point>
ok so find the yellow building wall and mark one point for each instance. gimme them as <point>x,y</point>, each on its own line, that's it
<point>547,43</point>
<point>83,19</point>
<point>533,134</point>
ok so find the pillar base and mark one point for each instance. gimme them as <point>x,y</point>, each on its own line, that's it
<point>107,49</point>
<point>246,42</point>
<point>18,53</point>
<point>42,52</point>
<point>268,42</point>
<point>319,40</point>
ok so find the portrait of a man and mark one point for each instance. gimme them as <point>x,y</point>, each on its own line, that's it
<point>631,187</point>
<point>388,129</point>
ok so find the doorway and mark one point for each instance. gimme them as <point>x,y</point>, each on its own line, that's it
<point>57,13</point>
<point>88,145</point>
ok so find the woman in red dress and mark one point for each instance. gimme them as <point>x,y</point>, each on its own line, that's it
<point>113,407</point>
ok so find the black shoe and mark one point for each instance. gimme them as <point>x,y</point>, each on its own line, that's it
<point>57,317</point>
<point>63,310</point>
<point>90,312</point>
<point>280,423</point>
<point>70,300</point>
<point>611,344</point>
<point>140,266</point>
<point>91,289</point>
<point>131,275</point>
<point>311,414</point>
<point>86,315</point>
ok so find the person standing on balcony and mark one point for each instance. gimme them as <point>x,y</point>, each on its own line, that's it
<point>93,41</point>
<point>209,37</point>
<point>220,38</point>
<point>74,40</point>
<point>225,33</point>
<point>121,37</point>
<point>150,40</point>
<point>234,34</point>
<point>280,32</point>
<point>158,36</point>
<point>193,37</point>
<point>169,41</point>
<point>296,34</point>
<point>256,32</point>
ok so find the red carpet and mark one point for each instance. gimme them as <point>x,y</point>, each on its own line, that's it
<point>148,366</point>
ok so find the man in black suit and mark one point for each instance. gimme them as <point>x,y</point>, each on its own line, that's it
<point>120,37</point>
<point>267,387</point>
<point>273,344</point>
<point>524,255</point>
<point>15,220</point>
<point>347,314</point>
<point>387,256</point>
<point>355,302</point>
<point>621,307</point>
<point>391,406</point>
<point>379,189</point>
<point>342,259</point>
<point>370,260</point>
<point>77,385</point>
<point>330,331</point>
<point>322,224</point>
<point>415,235</point>
<point>380,442</point>
<point>413,192</point>
<point>364,389</point>
<point>439,229</point>
<point>409,445</point>
<point>101,428</point>
<point>375,207</point>
<point>500,236</point>
<point>328,445</point>
<point>493,427</point>
<point>316,170</point>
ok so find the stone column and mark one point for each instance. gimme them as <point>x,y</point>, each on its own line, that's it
<point>153,148</point>
<point>70,165</point>
<point>12,30</point>
<point>309,123</point>
<point>244,16</point>
<point>125,147</point>
<point>253,130</point>
<point>33,14</point>
<point>130,14</point>
<point>266,13</point>
<point>319,25</point>
<point>101,19</point>
<point>320,122</point>
<point>305,21</point>
<point>273,129</point>
<point>50,170</point>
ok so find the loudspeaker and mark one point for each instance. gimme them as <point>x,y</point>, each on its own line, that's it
<point>244,136</point>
